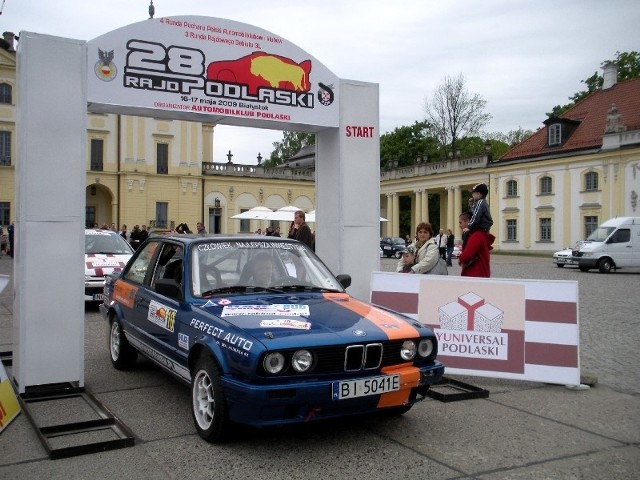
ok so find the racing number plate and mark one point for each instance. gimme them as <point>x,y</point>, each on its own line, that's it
<point>365,387</point>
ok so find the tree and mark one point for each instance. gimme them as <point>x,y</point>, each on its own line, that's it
<point>628,67</point>
<point>291,144</point>
<point>454,113</point>
<point>407,143</point>
<point>502,142</point>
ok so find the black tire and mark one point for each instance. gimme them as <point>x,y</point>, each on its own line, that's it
<point>605,265</point>
<point>398,254</point>
<point>583,269</point>
<point>208,405</point>
<point>123,355</point>
<point>559,265</point>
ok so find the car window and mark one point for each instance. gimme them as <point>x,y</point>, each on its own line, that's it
<point>169,264</point>
<point>137,270</point>
<point>106,243</point>
<point>622,235</point>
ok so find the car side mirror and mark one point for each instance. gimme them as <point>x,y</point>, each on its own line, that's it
<point>169,288</point>
<point>345,280</point>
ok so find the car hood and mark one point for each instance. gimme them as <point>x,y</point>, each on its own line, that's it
<point>312,319</point>
<point>102,264</point>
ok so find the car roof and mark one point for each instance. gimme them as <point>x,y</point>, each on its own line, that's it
<point>189,238</point>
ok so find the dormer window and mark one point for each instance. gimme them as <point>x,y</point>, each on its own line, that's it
<point>555,134</point>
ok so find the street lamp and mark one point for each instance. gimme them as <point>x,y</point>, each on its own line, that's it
<point>216,202</point>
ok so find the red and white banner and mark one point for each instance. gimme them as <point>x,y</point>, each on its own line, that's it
<point>506,328</point>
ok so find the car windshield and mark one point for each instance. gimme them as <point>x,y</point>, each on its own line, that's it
<point>220,267</point>
<point>600,234</point>
<point>106,243</point>
<point>397,241</point>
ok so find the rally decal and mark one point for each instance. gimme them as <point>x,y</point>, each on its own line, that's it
<point>160,358</point>
<point>183,341</point>
<point>395,328</point>
<point>228,340</point>
<point>124,293</point>
<point>161,315</point>
<point>281,309</point>
<point>286,323</point>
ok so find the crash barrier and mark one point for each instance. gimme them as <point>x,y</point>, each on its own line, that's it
<point>499,328</point>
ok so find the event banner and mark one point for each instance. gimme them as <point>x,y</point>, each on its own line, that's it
<point>193,65</point>
<point>516,329</point>
<point>9,406</point>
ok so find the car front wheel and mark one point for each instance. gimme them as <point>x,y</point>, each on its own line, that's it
<point>123,355</point>
<point>398,254</point>
<point>208,405</point>
<point>605,265</point>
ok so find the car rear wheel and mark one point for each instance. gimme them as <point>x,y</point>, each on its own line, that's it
<point>123,355</point>
<point>560,265</point>
<point>605,265</point>
<point>398,254</point>
<point>208,405</point>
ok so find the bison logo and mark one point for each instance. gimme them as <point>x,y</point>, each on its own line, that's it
<point>261,69</point>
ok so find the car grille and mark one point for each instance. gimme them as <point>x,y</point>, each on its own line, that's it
<point>350,358</point>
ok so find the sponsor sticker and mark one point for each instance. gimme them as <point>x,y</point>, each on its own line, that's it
<point>280,309</point>
<point>124,293</point>
<point>183,341</point>
<point>286,323</point>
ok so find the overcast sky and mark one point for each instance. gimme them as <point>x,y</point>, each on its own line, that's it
<point>522,56</point>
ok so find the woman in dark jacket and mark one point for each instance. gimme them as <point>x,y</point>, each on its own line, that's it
<point>450,239</point>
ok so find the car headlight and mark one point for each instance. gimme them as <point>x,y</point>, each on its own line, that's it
<point>302,360</point>
<point>273,362</point>
<point>408,350</point>
<point>425,347</point>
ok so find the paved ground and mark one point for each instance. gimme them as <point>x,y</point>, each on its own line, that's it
<point>522,431</point>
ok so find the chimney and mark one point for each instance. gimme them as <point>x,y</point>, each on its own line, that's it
<point>9,38</point>
<point>610,75</point>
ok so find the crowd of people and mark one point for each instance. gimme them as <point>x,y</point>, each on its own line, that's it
<point>6,239</point>
<point>424,254</point>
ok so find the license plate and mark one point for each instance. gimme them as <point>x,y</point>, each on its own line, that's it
<point>365,387</point>
<point>98,296</point>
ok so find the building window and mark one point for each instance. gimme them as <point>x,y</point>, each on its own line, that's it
<point>512,230</point>
<point>161,214</point>
<point>591,181</point>
<point>6,93</point>
<point>89,217</point>
<point>545,229</point>
<point>590,224</point>
<point>5,148</point>
<point>512,188</point>
<point>5,213</point>
<point>555,132</point>
<point>245,225</point>
<point>546,186</point>
<point>162,158</point>
<point>97,154</point>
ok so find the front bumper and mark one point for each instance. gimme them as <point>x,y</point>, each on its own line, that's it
<point>588,262</point>
<point>297,402</point>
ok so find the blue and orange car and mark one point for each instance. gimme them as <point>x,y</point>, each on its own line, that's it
<point>263,333</point>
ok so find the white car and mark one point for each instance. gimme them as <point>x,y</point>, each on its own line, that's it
<point>105,252</point>
<point>565,257</point>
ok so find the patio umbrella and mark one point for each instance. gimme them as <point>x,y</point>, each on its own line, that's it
<point>285,214</point>
<point>256,213</point>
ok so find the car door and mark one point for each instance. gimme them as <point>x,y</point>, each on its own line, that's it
<point>620,248</point>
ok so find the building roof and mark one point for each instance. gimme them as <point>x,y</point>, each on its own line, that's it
<point>589,117</point>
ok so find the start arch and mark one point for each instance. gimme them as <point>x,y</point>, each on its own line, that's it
<point>192,68</point>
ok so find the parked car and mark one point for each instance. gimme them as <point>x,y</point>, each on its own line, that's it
<point>392,246</point>
<point>565,256</point>
<point>263,333</point>
<point>105,252</point>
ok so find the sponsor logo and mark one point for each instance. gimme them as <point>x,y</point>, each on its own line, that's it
<point>124,293</point>
<point>228,340</point>
<point>224,301</point>
<point>282,309</point>
<point>104,68</point>
<point>359,333</point>
<point>183,341</point>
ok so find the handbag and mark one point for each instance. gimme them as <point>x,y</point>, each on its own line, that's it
<point>440,268</point>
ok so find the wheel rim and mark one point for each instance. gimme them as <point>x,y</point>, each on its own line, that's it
<point>203,400</point>
<point>115,340</point>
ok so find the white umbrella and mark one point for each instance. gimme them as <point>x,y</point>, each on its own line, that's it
<point>256,213</point>
<point>284,214</point>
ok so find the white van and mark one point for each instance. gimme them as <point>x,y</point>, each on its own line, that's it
<point>614,244</point>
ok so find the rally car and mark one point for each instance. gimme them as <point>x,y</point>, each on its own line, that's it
<point>105,252</point>
<point>263,333</point>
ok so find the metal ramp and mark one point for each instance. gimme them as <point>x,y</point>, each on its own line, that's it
<point>449,390</point>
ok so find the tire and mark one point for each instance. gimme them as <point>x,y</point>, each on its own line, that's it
<point>398,254</point>
<point>559,265</point>
<point>605,265</point>
<point>208,405</point>
<point>583,269</point>
<point>123,355</point>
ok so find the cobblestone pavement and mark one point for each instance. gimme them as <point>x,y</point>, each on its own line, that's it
<point>609,307</point>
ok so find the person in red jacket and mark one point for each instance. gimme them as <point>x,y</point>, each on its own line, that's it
<point>474,259</point>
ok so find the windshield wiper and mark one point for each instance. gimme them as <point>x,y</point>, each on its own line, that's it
<point>306,288</point>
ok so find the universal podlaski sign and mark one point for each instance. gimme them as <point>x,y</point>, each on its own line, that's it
<point>188,66</point>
